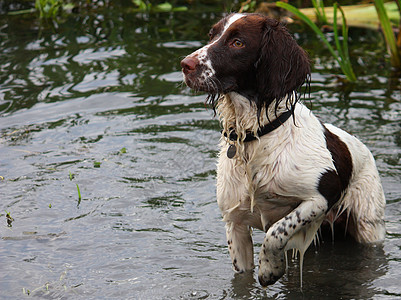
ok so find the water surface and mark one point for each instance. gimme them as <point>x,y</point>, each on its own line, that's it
<point>99,102</point>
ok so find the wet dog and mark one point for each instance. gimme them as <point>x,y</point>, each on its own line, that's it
<point>280,169</point>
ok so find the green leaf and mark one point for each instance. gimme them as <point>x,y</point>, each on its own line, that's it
<point>142,6</point>
<point>79,195</point>
<point>308,21</point>
<point>164,7</point>
<point>388,34</point>
<point>21,12</point>
<point>180,8</point>
<point>341,57</point>
<point>68,6</point>
<point>319,10</point>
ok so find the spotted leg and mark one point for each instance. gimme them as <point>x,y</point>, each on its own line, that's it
<point>240,246</point>
<point>271,257</point>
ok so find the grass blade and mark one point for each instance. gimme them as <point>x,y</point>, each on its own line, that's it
<point>345,50</point>
<point>312,25</point>
<point>323,11</point>
<point>388,34</point>
<point>79,195</point>
<point>320,12</point>
<point>335,30</point>
<point>342,58</point>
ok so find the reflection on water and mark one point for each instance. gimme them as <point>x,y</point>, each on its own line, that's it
<point>147,225</point>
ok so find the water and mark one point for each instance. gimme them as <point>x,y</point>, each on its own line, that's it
<point>101,105</point>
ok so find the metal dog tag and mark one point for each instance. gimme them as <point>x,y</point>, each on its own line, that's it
<point>231,151</point>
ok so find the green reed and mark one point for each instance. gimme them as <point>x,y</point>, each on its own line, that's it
<point>71,176</point>
<point>49,9</point>
<point>393,48</point>
<point>342,53</point>
<point>320,13</point>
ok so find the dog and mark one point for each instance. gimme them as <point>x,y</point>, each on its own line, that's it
<point>280,169</point>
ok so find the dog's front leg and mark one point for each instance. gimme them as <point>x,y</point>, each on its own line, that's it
<point>271,258</point>
<point>240,246</point>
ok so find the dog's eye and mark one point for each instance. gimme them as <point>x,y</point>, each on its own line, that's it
<point>238,44</point>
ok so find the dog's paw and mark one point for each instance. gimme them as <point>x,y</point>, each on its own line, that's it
<point>242,266</point>
<point>271,266</point>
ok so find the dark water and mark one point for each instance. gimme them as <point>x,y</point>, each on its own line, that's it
<point>98,102</point>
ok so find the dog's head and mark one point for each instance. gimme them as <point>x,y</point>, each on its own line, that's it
<point>252,55</point>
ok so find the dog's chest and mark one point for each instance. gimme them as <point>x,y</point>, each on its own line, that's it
<point>251,193</point>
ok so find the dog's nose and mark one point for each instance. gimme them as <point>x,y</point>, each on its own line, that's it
<point>189,64</point>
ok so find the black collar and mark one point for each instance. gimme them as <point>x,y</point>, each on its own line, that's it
<point>262,130</point>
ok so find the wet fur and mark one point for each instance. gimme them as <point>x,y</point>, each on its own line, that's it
<point>289,181</point>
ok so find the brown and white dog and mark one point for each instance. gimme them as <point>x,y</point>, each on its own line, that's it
<point>280,169</point>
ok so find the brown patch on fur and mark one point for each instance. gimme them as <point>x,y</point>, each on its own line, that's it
<point>333,183</point>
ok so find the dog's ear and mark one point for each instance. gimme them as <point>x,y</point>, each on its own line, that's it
<point>282,67</point>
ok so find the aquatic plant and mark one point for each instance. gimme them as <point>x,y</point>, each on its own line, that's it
<point>79,195</point>
<point>45,288</point>
<point>71,176</point>
<point>247,6</point>
<point>147,6</point>
<point>359,15</point>
<point>342,53</point>
<point>320,12</point>
<point>47,9</point>
<point>393,49</point>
